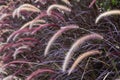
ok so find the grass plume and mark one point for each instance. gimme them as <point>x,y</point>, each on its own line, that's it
<point>5,31</point>
<point>11,77</point>
<point>66,2</point>
<point>108,13</point>
<point>16,33</point>
<point>31,23</point>
<point>27,7</point>
<point>57,6</point>
<point>81,57</point>
<point>18,50</point>
<point>92,3</point>
<point>3,16</point>
<point>38,72</point>
<point>56,35</point>
<point>75,46</point>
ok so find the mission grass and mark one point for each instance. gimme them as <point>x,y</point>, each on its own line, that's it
<point>81,57</point>
<point>75,46</point>
<point>27,7</point>
<point>51,7</point>
<point>56,35</point>
<point>107,13</point>
<point>39,71</point>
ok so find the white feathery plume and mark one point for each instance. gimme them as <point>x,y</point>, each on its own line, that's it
<point>81,57</point>
<point>67,2</point>
<point>107,13</point>
<point>65,8</point>
<point>75,46</point>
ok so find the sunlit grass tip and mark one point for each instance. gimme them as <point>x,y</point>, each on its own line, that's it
<point>66,2</point>
<point>81,57</point>
<point>107,13</point>
<point>27,7</point>
<point>62,7</point>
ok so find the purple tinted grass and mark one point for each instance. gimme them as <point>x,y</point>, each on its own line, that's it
<point>5,47</point>
<point>19,32</point>
<point>14,45</point>
<point>57,6</point>
<point>39,71</point>
<point>59,16</point>
<point>7,57</point>
<point>92,3</point>
<point>53,15</point>
<point>16,62</point>
<point>43,26</point>
<point>27,39</point>
<point>3,16</point>
<point>23,43</point>
<point>46,1</point>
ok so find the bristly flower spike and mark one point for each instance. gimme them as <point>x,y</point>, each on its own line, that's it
<point>57,6</point>
<point>56,35</point>
<point>75,46</point>
<point>66,2</point>
<point>108,13</point>
<point>27,7</point>
<point>81,57</point>
<point>3,16</point>
<point>31,23</point>
<point>11,77</point>
<point>18,50</point>
<point>39,71</point>
<point>91,4</point>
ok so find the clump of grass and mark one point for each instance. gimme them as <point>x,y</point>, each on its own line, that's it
<point>21,52</point>
<point>108,13</point>
<point>57,6</point>
<point>75,46</point>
